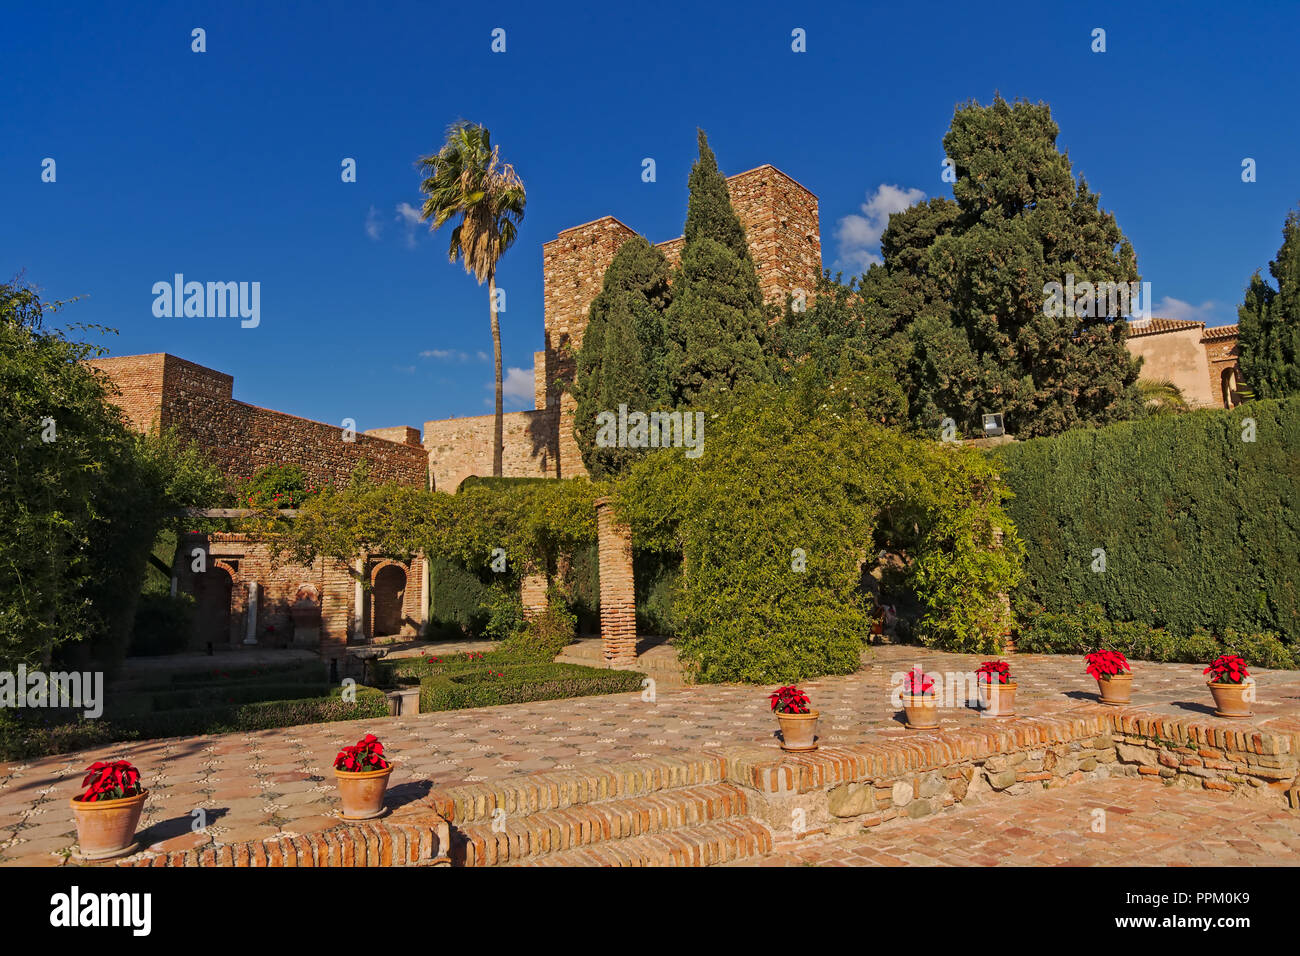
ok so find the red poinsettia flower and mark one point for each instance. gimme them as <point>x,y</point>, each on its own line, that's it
<point>110,781</point>
<point>918,682</point>
<point>1103,665</point>
<point>990,670</point>
<point>789,700</point>
<point>365,755</point>
<point>1227,669</point>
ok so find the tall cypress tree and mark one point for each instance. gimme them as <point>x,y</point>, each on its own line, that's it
<point>621,360</point>
<point>973,277</point>
<point>716,325</point>
<point>1269,322</point>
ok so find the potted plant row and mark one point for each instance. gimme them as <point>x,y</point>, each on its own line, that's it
<point>362,773</point>
<point>920,703</point>
<point>108,812</point>
<point>1113,675</point>
<point>997,691</point>
<point>1231,686</point>
<point>797,719</point>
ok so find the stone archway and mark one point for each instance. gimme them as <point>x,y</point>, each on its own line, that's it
<point>1229,385</point>
<point>387,595</point>
<point>213,595</point>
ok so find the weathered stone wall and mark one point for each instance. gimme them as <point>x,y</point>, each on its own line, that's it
<point>242,438</point>
<point>460,447</point>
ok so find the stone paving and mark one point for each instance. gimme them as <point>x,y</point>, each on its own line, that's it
<point>252,786</point>
<point>1143,824</point>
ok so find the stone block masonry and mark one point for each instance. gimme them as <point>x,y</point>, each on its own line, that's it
<point>461,447</point>
<point>167,391</point>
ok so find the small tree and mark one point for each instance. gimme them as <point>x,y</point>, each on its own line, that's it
<point>716,324</point>
<point>621,359</point>
<point>1268,322</point>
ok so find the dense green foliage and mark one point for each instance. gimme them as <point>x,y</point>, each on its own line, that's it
<point>1087,629</point>
<point>277,486</point>
<point>82,497</point>
<point>776,519</point>
<point>716,324</point>
<point>957,313</point>
<point>1199,527</point>
<point>163,624</point>
<point>457,600</point>
<point>545,635</point>
<point>621,360</point>
<point>1268,322</point>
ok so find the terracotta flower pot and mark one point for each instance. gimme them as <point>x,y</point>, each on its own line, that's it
<point>362,794</point>
<point>106,828</point>
<point>922,711</point>
<point>997,700</point>
<point>1230,700</point>
<point>798,731</point>
<point>1116,689</point>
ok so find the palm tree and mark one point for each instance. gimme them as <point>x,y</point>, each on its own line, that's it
<point>1159,396</point>
<point>466,178</point>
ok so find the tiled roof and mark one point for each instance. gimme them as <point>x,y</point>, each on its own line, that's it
<point>1155,325</point>
<point>1220,332</point>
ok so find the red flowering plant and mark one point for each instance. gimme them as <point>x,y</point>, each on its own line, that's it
<point>1103,665</point>
<point>918,683</point>
<point>366,756</point>
<point>1227,669</point>
<point>789,700</point>
<point>110,781</point>
<point>989,670</point>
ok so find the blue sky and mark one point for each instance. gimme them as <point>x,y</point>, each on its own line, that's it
<point>225,165</point>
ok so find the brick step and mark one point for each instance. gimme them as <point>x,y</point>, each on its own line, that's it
<point>710,844</point>
<point>524,794</point>
<point>534,835</point>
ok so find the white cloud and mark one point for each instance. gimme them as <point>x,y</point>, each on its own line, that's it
<point>517,386</point>
<point>452,355</point>
<point>1171,308</point>
<point>859,235</point>
<point>374,225</point>
<point>409,217</point>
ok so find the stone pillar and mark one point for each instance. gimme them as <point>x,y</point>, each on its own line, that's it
<point>250,619</point>
<point>533,595</point>
<point>617,590</point>
<point>359,600</point>
<point>424,594</point>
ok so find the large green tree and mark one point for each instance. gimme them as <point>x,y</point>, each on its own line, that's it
<point>466,178</point>
<point>621,360</point>
<point>960,306</point>
<point>1269,322</point>
<point>716,324</point>
<point>82,497</point>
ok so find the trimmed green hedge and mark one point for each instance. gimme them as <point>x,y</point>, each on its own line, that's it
<point>25,739</point>
<point>522,684</point>
<point>458,600</point>
<point>1088,630</point>
<point>1200,528</point>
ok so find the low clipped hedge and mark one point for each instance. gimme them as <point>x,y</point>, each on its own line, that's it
<point>521,684</point>
<point>22,739</point>
<point>1088,629</point>
<point>307,671</point>
<point>216,695</point>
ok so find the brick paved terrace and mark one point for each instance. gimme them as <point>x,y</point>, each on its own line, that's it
<point>256,786</point>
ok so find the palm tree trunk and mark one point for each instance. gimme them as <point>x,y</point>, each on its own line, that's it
<point>498,426</point>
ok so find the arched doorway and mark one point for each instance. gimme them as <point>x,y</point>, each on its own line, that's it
<point>212,593</point>
<point>388,592</point>
<point>1229,384</point>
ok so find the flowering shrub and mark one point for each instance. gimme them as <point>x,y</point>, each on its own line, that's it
<point>1103,665</point>
<point>363,757</point>
<point>991,669</point>
<point>918,682</point>
<point>1227,669</point>
<point>110,781</point>
<point>789,700</point>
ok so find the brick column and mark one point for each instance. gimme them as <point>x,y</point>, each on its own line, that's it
<point>617,592</point>
<point>533,594</point>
